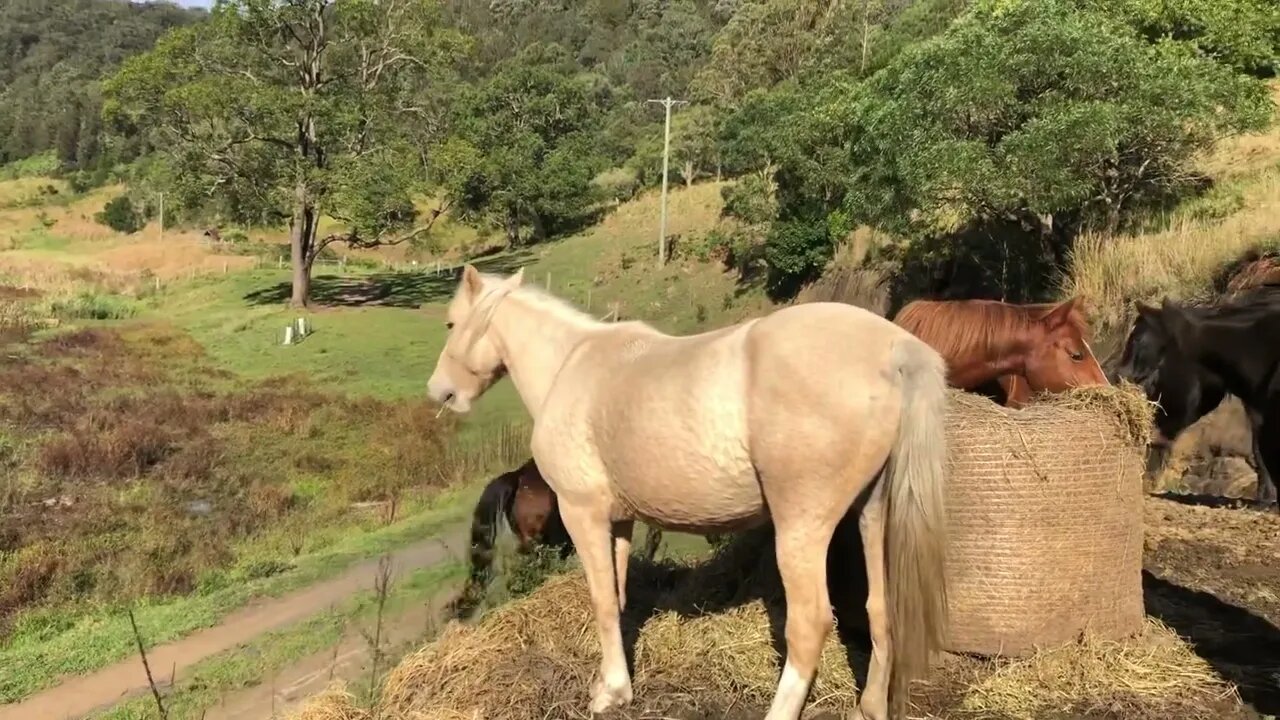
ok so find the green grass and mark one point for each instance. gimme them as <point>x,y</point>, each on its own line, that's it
<point>34,658</point>
<point>204,685</point>
<point>388,347</point>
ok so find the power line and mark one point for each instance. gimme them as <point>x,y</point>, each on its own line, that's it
<point>666,103</point>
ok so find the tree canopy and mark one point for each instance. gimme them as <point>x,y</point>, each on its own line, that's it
<point>941,122</point>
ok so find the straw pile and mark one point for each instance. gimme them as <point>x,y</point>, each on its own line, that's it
<point>705,648</point>
<point>1045,513</point>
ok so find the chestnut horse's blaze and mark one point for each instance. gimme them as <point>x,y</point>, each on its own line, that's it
<point>1027,348</point>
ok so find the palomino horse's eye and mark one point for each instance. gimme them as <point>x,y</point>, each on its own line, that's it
<point>448,325</point>
<point>1077,356</point>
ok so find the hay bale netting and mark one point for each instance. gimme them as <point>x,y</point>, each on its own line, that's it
<point>1045,509</point>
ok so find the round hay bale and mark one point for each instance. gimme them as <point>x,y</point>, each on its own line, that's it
<point>1045,520</point>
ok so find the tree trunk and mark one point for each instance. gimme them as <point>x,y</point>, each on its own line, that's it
<point>539,230</point>
<point>513,226</point>
<point>688,174</point>
<point>301,284</point>
<point>866,35</point>
<point>302,239</point>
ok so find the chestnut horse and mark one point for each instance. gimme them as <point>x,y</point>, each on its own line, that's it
<point>1026,348</point>
<point>788,418</point>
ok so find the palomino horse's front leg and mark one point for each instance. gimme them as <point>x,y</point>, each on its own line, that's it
<point>621,553</point>
<point>593,536</point>
<point>874,702</point>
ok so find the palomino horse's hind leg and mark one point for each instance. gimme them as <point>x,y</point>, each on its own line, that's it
<point>592,534</point>
<point>874,702</point>
<point>802,537</point>
<point>621,554</point>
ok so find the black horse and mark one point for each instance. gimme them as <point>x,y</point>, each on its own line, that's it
<point>1188,358</point>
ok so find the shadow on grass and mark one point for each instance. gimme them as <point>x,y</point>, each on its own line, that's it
<point>387,289</point>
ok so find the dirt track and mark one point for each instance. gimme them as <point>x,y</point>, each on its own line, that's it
<point>81,695</point>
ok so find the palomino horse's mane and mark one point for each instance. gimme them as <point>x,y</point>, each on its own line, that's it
<point>965,330</point>
<point>543,299</point>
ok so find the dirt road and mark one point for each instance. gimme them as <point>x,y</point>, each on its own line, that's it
<point>350,661</point>
<point>81,695</point>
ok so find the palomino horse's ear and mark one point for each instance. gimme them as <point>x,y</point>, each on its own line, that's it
<point>1060,315</point>
<point>515,280</point>
<point>471,281</point>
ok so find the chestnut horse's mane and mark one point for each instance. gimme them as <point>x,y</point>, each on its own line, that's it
<point>964,331</point>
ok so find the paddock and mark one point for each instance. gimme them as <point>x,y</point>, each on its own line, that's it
<point>1203,643</point>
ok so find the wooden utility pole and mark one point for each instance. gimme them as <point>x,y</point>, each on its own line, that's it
<point>667,103</point>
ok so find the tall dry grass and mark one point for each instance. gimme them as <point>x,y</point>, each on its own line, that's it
<point>1180,262</point>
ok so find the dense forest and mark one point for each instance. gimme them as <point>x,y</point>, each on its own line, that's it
<point>55,53</point>
<point>972,129</point>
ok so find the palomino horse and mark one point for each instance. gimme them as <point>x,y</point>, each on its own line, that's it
<point>1027,348</point>
<point>789,417</point>
<point>530,508</point>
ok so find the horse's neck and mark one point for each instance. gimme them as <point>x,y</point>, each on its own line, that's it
<point>535,344</point>
<point>1238,354</point>
<point>988,363</point>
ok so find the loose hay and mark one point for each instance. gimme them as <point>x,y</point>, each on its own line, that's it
<point>1045,515</point>
<point>536,657</point>
<point>335,703</point>
<point>1152,675</point>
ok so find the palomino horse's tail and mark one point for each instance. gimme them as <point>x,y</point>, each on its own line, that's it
<point>496,502</point>
<point>916,518</point>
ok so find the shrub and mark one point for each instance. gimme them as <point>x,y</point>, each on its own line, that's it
<point>120,215</point>
<point>619,184</point>
<point>94,306</point>
<point>752,200</point>
<point>796,251</point>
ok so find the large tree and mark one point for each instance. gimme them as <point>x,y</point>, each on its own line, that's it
<point>525,145</point>
<point>1031,119</point>
<point>298,109</point>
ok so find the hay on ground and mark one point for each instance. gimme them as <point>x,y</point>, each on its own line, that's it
<point>1156,669</point>
<point>536,658</point>
<point>335,703</point>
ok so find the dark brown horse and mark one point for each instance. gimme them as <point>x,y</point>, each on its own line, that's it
<point>531,511</point>
<point>1026,348</point>
<point>529,505</point>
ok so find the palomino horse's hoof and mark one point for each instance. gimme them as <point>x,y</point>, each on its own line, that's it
<point>605,698</point>
<point>859,715</point>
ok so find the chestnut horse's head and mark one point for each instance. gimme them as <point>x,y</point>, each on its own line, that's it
<point>1058,355</point>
